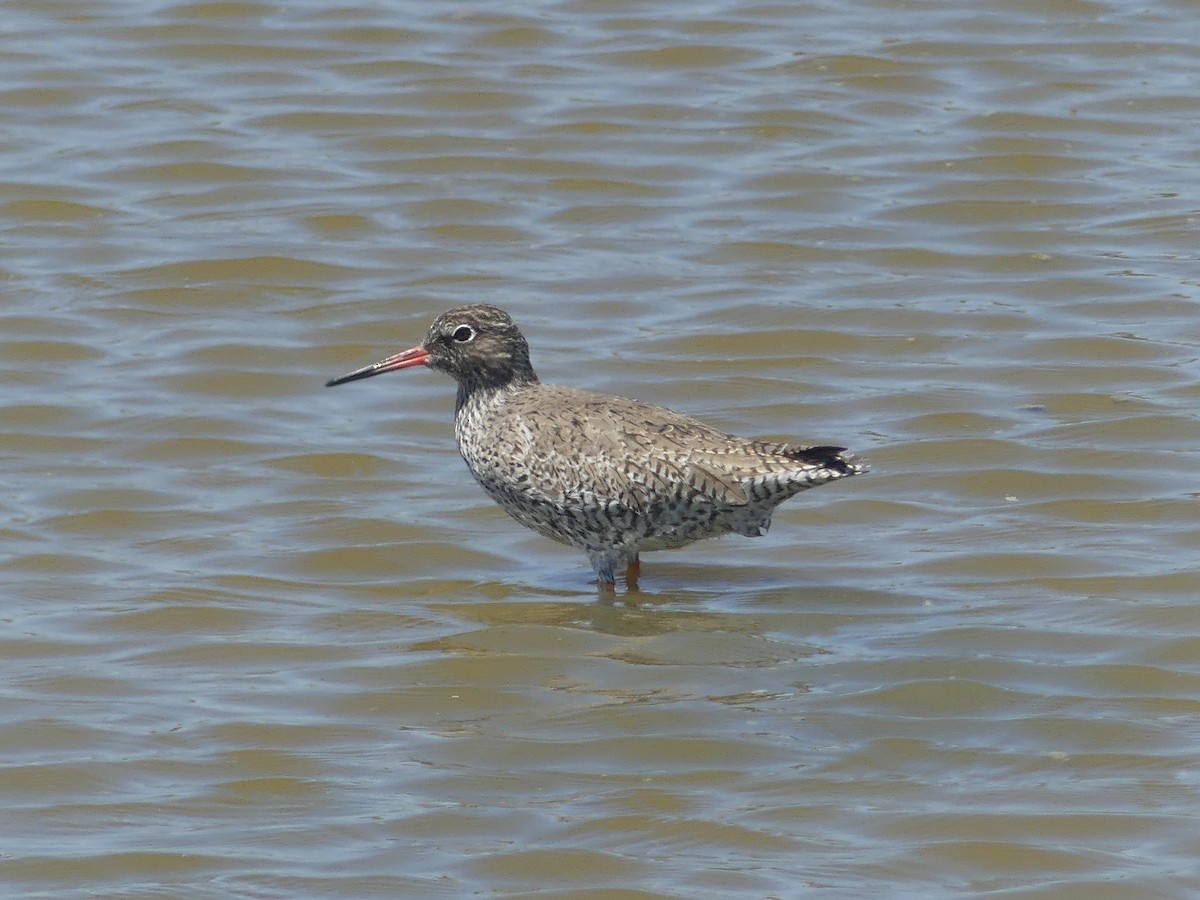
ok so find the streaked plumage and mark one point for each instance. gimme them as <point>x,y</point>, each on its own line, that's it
<point>608,475</point>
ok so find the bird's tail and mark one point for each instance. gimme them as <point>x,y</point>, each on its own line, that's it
<point>838,460</point>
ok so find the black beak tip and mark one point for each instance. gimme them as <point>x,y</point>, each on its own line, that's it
<point>356,375</point>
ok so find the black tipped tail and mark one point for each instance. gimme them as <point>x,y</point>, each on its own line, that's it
<point>836,459</point>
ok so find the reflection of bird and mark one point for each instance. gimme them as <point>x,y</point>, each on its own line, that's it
<point>608,475</point>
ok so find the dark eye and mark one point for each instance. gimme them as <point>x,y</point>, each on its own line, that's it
<point>463,334</point>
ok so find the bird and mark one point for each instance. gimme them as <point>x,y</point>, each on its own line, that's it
<point>612,476</point>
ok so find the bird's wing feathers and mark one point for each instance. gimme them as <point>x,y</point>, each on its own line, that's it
<point>638,451</point>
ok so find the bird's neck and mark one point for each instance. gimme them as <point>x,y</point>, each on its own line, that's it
<point>483,390</point>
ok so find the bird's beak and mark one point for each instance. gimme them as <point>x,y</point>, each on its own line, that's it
<point>415,356</point>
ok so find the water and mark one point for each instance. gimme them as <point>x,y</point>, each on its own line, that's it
<point>262,639</point>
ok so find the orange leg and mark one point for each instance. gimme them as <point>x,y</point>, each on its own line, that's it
<point>633,572</point>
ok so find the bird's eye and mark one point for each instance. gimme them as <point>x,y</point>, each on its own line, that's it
<point>463,334</point>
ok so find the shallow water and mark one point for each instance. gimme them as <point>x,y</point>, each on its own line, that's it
<point>261,639</point>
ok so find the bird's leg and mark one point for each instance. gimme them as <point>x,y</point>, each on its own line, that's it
<point>604,564</point>
<point>632,572</point>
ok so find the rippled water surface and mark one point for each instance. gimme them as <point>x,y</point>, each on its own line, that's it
<point>261,639</point>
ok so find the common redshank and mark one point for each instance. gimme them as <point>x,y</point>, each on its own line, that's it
<point>608,475</point>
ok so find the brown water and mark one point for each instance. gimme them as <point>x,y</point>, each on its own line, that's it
<point>261,639</point>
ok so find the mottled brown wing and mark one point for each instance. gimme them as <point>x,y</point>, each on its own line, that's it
<point>644,451</point>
